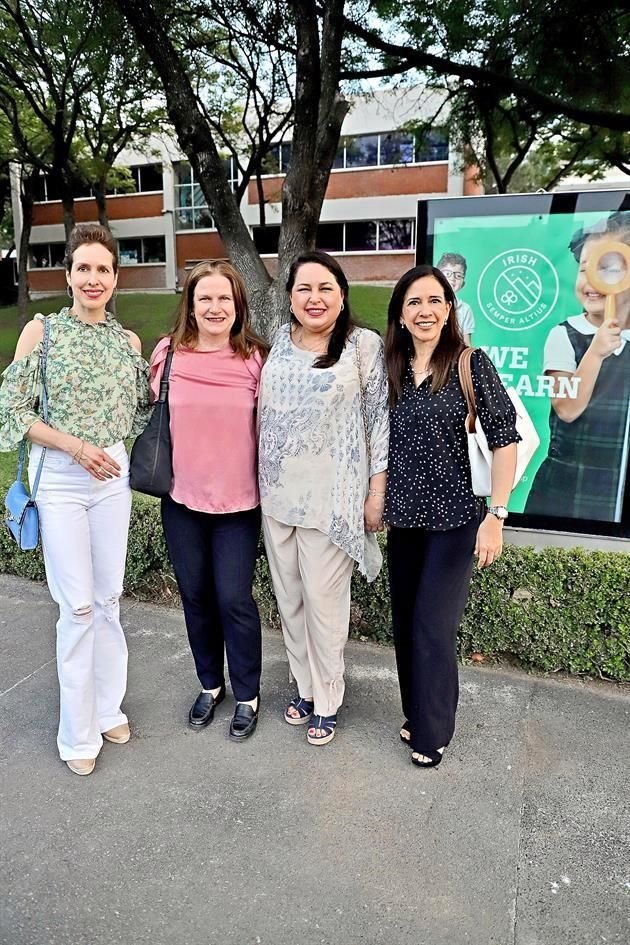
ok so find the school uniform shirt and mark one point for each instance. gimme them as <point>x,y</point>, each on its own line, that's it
<point>582,474</point>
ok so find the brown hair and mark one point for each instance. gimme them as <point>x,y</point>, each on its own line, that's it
<point>243,339</point>
<point>399,343</point>
<point>90,233</point>
<point>345,324</point>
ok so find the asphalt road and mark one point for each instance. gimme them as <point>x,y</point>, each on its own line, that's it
<point>520,837</point>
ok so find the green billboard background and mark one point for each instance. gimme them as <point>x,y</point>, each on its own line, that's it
<point>520,282</point>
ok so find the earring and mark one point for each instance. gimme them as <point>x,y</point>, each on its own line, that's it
<point>402,325</point>
<point>291,309</point>
<point>343,305</point>
<point>69,291</point>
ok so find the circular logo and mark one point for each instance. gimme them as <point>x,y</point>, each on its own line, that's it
<point>518,289</point>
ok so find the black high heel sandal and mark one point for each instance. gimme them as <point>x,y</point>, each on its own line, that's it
<point>434,756</point>
<point>406,738</point>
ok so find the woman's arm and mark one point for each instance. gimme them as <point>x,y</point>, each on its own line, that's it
<point>489,543</point>
<point>375,503</point>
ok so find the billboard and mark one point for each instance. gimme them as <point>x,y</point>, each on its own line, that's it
<point>518,265</point>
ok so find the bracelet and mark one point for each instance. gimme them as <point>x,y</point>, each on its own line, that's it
<point>380,495</point>
<point>79,453</point>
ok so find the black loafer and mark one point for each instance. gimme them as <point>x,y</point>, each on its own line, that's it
<point>244,721</point>
<point>202,710</point>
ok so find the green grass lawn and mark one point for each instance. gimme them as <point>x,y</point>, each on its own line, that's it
<point>151,316</point>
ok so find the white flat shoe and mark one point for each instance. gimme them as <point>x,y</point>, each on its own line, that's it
<point>120,734</point>
<point>81,766</point>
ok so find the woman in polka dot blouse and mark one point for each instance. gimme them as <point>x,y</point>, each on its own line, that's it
<point>436,522</point>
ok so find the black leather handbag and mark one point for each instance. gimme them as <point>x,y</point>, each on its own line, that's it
<point>151,461</point>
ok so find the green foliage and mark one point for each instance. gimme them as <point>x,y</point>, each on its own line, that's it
<point>549,610</point>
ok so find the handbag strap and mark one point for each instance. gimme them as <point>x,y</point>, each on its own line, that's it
<point>465,379</point>
<point>43,360</point>
<point>164,380</point>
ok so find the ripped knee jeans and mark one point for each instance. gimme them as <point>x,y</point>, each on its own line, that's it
<point>84,525</point>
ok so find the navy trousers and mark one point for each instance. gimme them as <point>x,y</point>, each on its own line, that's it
<point>213,557</point>
<point>429,577</point>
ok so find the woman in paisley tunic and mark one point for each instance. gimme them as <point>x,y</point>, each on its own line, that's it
<point>98,394</point>
<point>322,472</point>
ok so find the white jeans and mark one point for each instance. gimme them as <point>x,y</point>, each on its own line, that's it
<point>84,526</point>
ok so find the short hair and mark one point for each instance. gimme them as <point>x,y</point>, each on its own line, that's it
<point>616,227</point>
<point>86,233</point>
<point>455,259</point>
<point>243,340</point>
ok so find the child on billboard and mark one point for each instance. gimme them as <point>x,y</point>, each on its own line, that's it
<point>583,474</point>
<point>453,266</point>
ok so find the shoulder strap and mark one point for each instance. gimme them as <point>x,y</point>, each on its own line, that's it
<point>43,361</point>
<point>465,379</point>
<point>165,375</point>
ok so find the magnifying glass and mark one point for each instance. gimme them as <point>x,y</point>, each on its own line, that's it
<point>608,271</point>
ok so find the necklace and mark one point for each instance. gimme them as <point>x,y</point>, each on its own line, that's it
<point>319,347</point>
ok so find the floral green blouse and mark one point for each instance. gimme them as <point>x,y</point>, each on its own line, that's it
<point>97,384</point>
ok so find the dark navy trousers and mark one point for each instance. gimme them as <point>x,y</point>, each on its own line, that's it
<point>429,577</point>
<point>213,557</point>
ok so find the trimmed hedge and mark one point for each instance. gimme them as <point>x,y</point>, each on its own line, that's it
<point>554,609</point>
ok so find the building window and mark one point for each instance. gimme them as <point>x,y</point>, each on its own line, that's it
<point>392,147</point>
<point>357,236</point>
<point>395,234</point>
<point>191,208</point>
<point>278,158</point>
<point>47,255</point>
<point>361,151</point>
<point>147,249</point>
<point>330,237</point>
<point>266,239</point>
<point>361,237</point>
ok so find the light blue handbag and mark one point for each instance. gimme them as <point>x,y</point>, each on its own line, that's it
<point>21,515</point>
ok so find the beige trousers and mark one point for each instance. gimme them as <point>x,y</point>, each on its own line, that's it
<point>311,580</point>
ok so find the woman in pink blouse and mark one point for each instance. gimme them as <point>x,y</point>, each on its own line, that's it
<point>212,517</point>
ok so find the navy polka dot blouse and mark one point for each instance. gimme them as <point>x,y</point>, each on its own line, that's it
<point>428,479</point>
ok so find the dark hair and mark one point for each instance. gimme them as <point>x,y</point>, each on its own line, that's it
<point>243,339</point>
<point>616,226</point>
<point>399,343</point>
<point>90,233</point>
<point>345,323</point>
<point>455,259</point>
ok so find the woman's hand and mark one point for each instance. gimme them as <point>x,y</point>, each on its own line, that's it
<point>96,461</point>
<point>373,513</point>
<point>489,543</point>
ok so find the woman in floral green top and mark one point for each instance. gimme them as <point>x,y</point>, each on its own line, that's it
<point>98,394</point>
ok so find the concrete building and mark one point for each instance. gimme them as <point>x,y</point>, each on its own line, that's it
<point>368,216</point>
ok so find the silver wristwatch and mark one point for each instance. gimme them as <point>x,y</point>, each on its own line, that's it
<point>499,511</point>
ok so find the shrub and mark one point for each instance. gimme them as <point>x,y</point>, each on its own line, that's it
<point>553,609</point>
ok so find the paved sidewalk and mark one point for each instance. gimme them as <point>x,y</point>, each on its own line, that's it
<point>520,837</point>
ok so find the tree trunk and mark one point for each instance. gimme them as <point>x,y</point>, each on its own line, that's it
<point>197,142</point>
<point>101,206</point>
<point>26,200</point>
